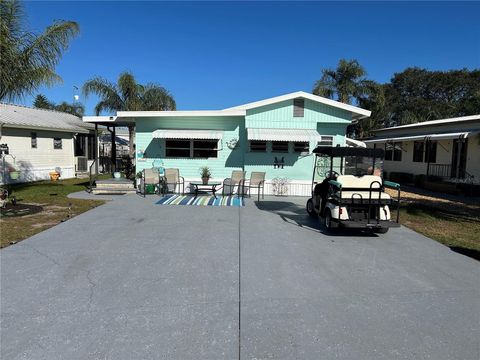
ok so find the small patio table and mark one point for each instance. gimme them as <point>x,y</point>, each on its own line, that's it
<point>209,187</point>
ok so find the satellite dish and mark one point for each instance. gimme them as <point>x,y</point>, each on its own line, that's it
<point>76,97</point>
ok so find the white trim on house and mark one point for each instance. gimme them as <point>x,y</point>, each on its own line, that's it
<point>433,122</point>
<point>180,113</point>
<point>283,134</point>
<point>456,135</point>
<point>187,134</point>
<point>361,113</point>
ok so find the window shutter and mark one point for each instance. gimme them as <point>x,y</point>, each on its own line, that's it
<point>298,107</point>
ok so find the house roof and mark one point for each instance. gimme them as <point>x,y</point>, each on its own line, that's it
<point>123,118</point>
<point>357,113</point>
<point>433,123</point>
<point>18,116</point>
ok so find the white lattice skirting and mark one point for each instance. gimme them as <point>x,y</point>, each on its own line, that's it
<point>36,174</point>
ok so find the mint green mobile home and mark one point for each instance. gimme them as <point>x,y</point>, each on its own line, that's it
<point>275,135</point>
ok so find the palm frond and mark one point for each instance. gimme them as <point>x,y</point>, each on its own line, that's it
<point>28,60</point>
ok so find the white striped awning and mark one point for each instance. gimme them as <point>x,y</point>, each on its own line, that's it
<point>424,137</point>
<point>283,134</point>
<point>187,134</point>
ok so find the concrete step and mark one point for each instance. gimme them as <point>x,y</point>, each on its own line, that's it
<point>115,186</point>
<point>106,190</point>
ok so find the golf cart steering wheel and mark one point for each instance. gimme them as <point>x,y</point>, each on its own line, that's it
<point>331,173</point>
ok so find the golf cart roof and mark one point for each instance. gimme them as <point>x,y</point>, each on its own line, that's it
<point>341,151</point>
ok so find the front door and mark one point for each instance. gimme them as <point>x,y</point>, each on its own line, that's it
<point>459,158</point>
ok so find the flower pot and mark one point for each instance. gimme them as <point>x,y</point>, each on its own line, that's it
<point>14,175</point>
<point>54,176</point>
<point>205,180</point>
<point>117,175</point>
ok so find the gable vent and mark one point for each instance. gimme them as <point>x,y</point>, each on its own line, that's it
<point>298,107</point>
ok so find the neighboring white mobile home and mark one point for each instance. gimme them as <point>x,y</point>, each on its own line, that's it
<point>446,148</point>
<point>40,141</point>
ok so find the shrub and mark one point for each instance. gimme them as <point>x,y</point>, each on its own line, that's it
<point>419,180</point>
<point>469,189</point>
<point>401,177</point>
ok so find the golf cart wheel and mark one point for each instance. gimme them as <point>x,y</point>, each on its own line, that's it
<point>381,230</point>
<point>310,208</point>
<point>327,220</point>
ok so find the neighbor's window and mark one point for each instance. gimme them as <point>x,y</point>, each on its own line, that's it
<point>326,140</point>
<point>33,140</point>
<point>431,152</point>
<point>57,143</point>
<point>298,107</point>
<point>280,146</point>
<point>418,148</point>
<point>177,148</point>
<point>388,151</point>
<point>205,148</point>
<point>258,146</point>
<point>91,147</point>
<point>302,147</point>
<point>393,151</point>
<point>397,151</point>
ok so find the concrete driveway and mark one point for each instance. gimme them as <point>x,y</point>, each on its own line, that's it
<point>135,280</point>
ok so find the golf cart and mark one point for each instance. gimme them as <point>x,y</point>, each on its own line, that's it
<point>348,190</point>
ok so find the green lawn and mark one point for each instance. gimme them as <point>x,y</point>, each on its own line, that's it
<point>41,205</point>
<point>460,231</point>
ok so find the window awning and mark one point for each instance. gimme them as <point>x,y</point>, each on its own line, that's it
<point>424,137</point>
<point>187,134</point>
<point>283,134</point>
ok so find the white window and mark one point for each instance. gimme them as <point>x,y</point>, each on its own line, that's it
<point>33,140</point>
<point>57,143</point>
<point>195,149</point>
<point>326,140</point>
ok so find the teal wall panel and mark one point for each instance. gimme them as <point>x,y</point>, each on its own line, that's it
<point>325,119</point>
<point>221,166</point>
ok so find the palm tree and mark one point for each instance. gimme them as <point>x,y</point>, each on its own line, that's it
<point>128,95</point>
<point>41,102</point>
<point>28,60</point>
<point>347,81</point>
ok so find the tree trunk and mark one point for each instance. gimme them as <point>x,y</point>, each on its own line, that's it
<point>131,141</point>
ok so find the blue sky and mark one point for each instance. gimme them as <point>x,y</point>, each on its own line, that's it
<point>213,55</point>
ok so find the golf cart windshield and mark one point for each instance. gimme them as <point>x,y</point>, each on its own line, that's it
<point>362,165</point>
<point>333,161</point>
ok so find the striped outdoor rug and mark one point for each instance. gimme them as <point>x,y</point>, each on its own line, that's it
<point>201,200</point>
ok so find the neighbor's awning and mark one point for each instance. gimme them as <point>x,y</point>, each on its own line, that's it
<point>187,134</point>
<point>424,137</point>
<point>283,134</point>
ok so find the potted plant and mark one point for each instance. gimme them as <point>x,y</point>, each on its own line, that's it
<point>54,175</point>
<point>14,174</point>
<point>206,174</point>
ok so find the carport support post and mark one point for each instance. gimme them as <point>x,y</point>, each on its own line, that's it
<point>95,156</point>
<point>114,150</point>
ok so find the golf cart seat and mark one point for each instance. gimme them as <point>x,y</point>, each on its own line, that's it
<point>361,189</point>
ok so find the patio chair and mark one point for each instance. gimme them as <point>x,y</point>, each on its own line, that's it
<point>149,177</point>
<point>257,181</point>
<point>172,179</point>
<point>237,179</point>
